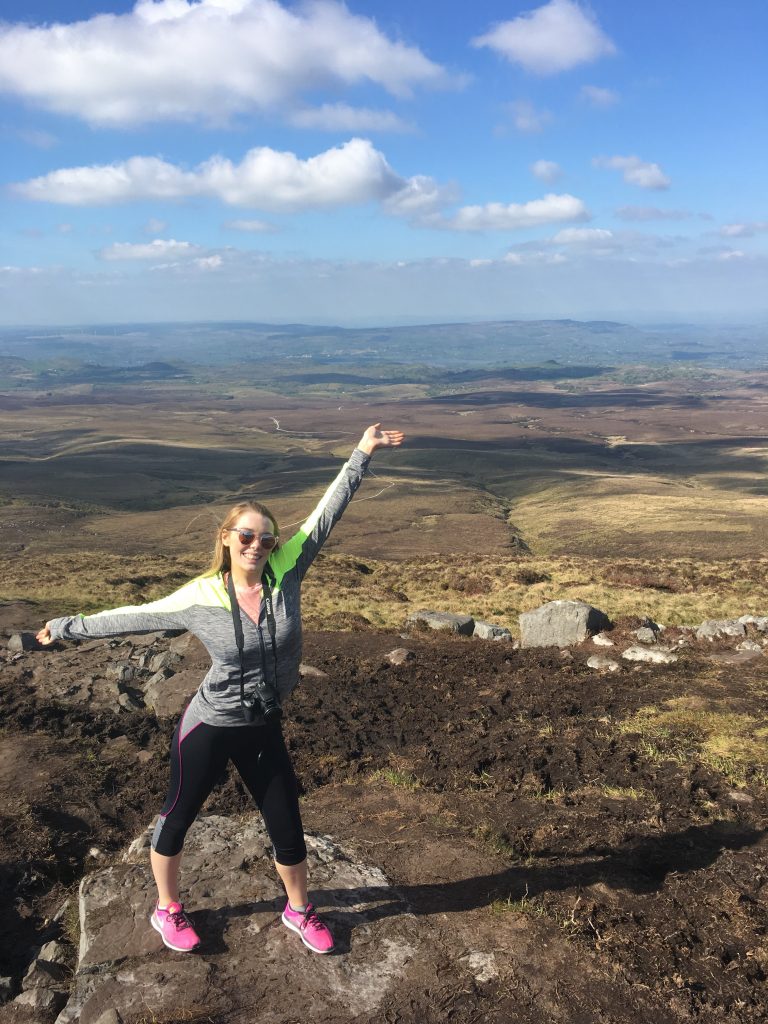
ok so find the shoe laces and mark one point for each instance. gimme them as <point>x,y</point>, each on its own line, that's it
<point>180,919</point>
<point>311,918</point>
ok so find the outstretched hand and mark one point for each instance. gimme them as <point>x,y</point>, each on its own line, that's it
<point>44,636</point>
<point>375,437</point>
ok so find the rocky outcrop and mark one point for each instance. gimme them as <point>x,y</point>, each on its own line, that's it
<point>235,899</point>
<point>711,629</point>
<point>561,624</point>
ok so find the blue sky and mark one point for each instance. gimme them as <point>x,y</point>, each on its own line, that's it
<point>383,163</point>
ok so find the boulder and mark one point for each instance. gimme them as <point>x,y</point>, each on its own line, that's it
<point>654,655</point>
<point>560,624</point>
<point>447,621</point>
<point>488,631</point>
<point>711,629</point>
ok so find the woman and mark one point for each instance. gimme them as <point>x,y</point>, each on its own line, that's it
<point>235,713</point>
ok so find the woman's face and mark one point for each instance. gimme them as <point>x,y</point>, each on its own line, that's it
<point>248,558</point>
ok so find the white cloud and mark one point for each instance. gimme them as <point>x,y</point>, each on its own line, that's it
<point>731,254</point>
<point>349,174</point>
<point>257,227</point>
<point>420,197</point>
<point>209,262</point>
<point>553,38</point>
<point>534,257</point>
<point>570,236</point>
<point>514,216</point>
<point>643,213</point>
<point>743,230</point>
<point>636,171</point>
<point>599,97</point>
<point>211,59</point>
<point>546,170</point>
<point>527,118</point>
<point>158,249</point>
<point>340,117</point>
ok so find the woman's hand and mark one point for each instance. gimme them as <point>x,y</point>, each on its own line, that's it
<point>375,437</point>
<point>44,636</point>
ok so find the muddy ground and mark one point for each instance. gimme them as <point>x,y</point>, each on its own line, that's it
<point>494,787</point>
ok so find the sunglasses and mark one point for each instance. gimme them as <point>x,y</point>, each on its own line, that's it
<point>246,537</point>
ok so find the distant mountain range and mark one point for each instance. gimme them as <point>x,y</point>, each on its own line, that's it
<point>501,343</point>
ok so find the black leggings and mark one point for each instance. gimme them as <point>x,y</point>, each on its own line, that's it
<point>199,757</point>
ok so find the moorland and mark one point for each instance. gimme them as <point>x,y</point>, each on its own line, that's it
<point>623,467</point>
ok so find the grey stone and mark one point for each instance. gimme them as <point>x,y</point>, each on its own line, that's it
<point>602,640</point>
<point>129,702</point>
<point>654,655</point>
<point>602,664</point>
<point>463,624</point>
<point>489,631</point>
<point>53,952</point>
<point>310,672</point>
<point>713,628</point>
<point>169,696</point>
<point>560,624</point>
<point>46,1000</point>
<point>645,635</point>
<point>400,656</point>
<point>22,642</point>
<point>122,671</point>
<point>749,645</point>
<point>166,659</point>
<point>231,887</point>
<point>760,622</point>
<point>42,974</point>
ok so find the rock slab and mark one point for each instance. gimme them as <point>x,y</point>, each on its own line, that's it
<point>235,901</point>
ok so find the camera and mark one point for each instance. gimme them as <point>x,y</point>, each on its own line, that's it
<point>266,706</point>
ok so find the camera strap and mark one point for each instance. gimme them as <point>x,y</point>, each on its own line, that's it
<point>266,592</point>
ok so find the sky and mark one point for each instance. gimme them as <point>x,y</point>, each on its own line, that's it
<point>377,163</point>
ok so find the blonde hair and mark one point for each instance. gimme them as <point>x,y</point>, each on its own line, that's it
<point>220,561</point>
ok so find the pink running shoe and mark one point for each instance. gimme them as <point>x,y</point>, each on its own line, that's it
<point>175,928</point>
<point>314,934</point>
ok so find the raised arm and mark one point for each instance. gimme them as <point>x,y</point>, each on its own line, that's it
<point>300,551</point>
<point>171,612</point>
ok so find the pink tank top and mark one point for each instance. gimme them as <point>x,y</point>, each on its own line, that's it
<point>249,599</point>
